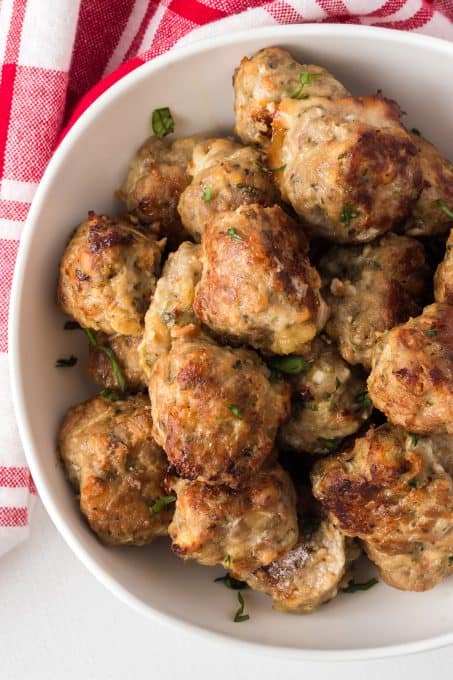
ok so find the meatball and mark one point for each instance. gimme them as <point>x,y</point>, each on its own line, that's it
<point>443,280</point>
<point>370,289</point>
<point>432,213</point>
<point>108,274</point>
<point>171,304</point>
<point>329,401</point>
<point>257,285</point>
<point>244,530</point>
<point>225,176</point>
<point>211,409</point>
<point>268,77</point>
<point>310,573</point>
<point>411,379</point>
<point>125,352</point>
<point>347,166</point>
<point>117,468</point>
<point>392,491</point>
<point>157,177</point>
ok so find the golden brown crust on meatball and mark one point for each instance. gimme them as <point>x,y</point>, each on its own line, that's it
<point>257,285</point>
<point>225,176</point>
<point>125,350</point>
<point>264,80</point>
<point>370,289</point>
<point>211,409</point>
<point>428,217</point>
<point>308,574</point>
<point>348,166</point>
<point>157,177</point>
<point>114,463</point>
<point>108,274</point>
<point>391,491</point>
<point>172,303</point>
<point>443,279</point>
<point>411,379</point>
<point>245,529</point>
<point>329,401</point>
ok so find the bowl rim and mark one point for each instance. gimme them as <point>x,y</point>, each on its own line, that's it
<point>274,34</point>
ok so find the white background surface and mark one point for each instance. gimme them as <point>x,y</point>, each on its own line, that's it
<point>56,621</point>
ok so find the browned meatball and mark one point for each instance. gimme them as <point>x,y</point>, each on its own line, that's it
<point>268,77</point>
<point>212,409</point>
<point>257,285</point>
<point>329,401</point>
<point>225,176</point>
<point>347,166</point>
<point>108,273</point>
<point>117,468</point>
<point>412,373</point>
<point>392,491</point>
<point>244,530</point>
<point>171,304</point>
<point>310,573</point>
<point>432,213</point>
<point>370,289</point>
<point>157,177</point>
<point>443,280</point>
<point>125,352</point>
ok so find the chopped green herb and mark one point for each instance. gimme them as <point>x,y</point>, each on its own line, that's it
<point>207,194</point>
<point>111,395</point>
<point>264,168</point>
<point>91,335</point>
<point>236,411</point>
<point>416,131</point>
<point>227,562</point>
<point>293,365</point>
<point>231,231</point>
<point>329,444</point>
<point>443,206</point>
<point>239,617</point>
<point>414,483</point>
<point>305,78</point>
<point>66,362</point>
<point>431,331</point>
<point>414,439</point>
<point>348,213</point>
<point>353,587</point>
<point>308,526</point>
<point>363,398</point>
<point>162,122</point>
<point>71,326</point>
<point>161,503</point>
<point>231,582</point>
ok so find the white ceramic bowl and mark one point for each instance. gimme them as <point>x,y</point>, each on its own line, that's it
<point>91,161</point>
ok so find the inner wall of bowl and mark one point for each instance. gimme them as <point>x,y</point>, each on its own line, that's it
<point>198,90</point>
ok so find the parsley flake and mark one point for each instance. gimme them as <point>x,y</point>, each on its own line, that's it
<point>239,617</point>
<point>91,335</point>
<point>353,587</point>
<point>416,131</point>
<point>414,438</point>
<point>207,194</point>
<point>66,362</point>
<point>111,395</point>
<point>443,206</point>
<point>71,326</point>
<point>293,365</point>
<point>236,411</point>
<point>348,213</point>
<point>305,78</point>
<point>329,444</point>
<point>162,122</point>
<point>264,168</point>
<point>414,483</point>
<point>161,503</point>
<point>431,332</point>
<point>231,582</point>
<point>363,399</point>
<point>231,231</point>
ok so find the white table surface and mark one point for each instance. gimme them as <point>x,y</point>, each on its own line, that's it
<point>58,622</point>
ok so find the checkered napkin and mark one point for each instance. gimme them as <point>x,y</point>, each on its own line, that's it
<point>55,59</point>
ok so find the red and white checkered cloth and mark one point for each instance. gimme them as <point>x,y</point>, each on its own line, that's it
<point>56,58</point>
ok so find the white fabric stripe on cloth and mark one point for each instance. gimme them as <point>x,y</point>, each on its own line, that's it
<point>152,27</point>
<point>132,26</point>
<point>11,229</point>
<point>10,190</point>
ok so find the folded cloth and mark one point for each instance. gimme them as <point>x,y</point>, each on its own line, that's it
<point>56,58</point>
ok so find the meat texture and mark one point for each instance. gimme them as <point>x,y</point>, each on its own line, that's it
<point>392,491</point>
<point>411,379</point>
<point>117,469</point>
<point>108,274</point>
<point>443,280</point>
<point>370,289</point>
<point>211,409</point>
<point>125,354</point>
<point>257,285</point>
<point>271,75</point>
<point>347,166</point>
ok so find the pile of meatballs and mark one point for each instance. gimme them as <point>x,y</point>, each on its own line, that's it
<point>275,362</point>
